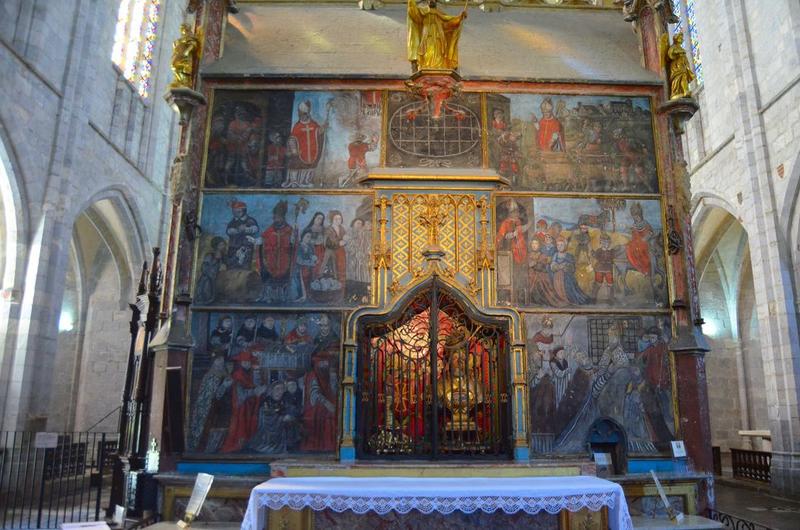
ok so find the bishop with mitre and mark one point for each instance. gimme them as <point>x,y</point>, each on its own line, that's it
<point>433,37</point>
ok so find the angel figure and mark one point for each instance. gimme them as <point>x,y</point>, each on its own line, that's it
<point>185,58</point>
<point>676,63</point>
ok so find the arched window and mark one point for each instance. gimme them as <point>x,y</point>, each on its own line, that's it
<point>687,24</point>
<point>134,38</point>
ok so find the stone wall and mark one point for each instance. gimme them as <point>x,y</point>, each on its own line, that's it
<point>75,132</point>
<point>743,157</point>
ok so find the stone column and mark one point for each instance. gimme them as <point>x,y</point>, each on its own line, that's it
<point>688,348</point>
<point>771,260</point>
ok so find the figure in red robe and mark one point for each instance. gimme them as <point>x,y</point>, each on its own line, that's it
<point>638,249</point>
<point>319,416</point>
<point>304,148</point>
<point>277,245</point>
<point>511,234</point>
<point>245,399</point>
<point>551,131</point>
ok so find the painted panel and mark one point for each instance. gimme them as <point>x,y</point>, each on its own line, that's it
<point>284,250</point>
<point>582,368</point>
<point>579,253</point>
<point>264,383</point>
<point>292,139</point>
<point>572,143</point>
<point>418,139</point>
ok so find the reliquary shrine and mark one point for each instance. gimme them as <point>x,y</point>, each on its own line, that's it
<point>462,254</point>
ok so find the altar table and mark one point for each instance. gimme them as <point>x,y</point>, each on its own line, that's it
<point>443,495</point>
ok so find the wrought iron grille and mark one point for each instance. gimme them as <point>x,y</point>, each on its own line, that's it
<point>434,382</point>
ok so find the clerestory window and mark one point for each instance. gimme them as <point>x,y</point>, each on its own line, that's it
<point>134,38</point>
<point>687,24</point>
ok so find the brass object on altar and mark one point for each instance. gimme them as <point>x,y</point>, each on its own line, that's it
<point>456,389</point>
<point>433,36</point>
<point>675,61</point>
<point>185,58</point>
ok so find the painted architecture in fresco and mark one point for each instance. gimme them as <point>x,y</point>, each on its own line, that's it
<point>265,383</point>
<point>292,139</point>
<point>579,252</point>
<point>572,143</point>
<point>582,368</point>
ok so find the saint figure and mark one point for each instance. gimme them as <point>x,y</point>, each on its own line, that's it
<point>433,37</point>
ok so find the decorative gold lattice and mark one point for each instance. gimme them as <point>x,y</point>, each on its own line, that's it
<point>455,233</point>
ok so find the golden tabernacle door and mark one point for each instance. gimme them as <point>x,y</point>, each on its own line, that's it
<point>434,381</point>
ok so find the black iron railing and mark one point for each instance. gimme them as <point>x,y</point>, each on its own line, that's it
<point>735,523</point>
<point>53,478</point>
<point>753,465</point>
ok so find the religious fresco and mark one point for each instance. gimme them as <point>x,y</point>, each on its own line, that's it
<point>572,143</point>
<point>585,367</point>
<point>418,137</point>
<point>579,252</point>
<point>264,383</point>
<point>284,250</point>
<point>292,139</point>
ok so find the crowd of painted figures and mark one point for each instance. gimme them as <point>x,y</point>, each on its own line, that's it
<point>627,379</point>
<point>549,265</point>
<point>573,143</point>
<point>269,385</point>
<point>288,140</point>
<point>323,261</point>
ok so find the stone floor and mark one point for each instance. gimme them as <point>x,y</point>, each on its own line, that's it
<point>762,508</point>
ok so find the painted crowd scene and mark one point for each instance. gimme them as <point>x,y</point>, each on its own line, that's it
<point>582,368</point>
<point>572,143</point>
<point>264,383</point>
<point>284,250</point>
<point>292,139</point>
<point>576,253</point>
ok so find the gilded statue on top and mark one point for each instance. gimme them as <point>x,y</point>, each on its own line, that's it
<point>676,62</point>
<point>433,36</point>
<point>185,58</point>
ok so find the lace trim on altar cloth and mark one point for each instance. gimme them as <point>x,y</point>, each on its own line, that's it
<point>444,505</point>
<point>382,505</point>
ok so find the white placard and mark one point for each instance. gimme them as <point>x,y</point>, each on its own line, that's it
<point>97,525</point>
<point>678,449</point>
<point>201,487</point>
<point>603,459</point>
<point>46,440</point>
<point>119,515</point>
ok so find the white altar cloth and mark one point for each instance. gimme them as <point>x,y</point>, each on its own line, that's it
<point>444,495</point>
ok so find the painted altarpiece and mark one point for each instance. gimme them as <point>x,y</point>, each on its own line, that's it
<point>321,210</point>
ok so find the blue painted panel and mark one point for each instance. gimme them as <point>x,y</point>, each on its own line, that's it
<point>659,465</point>
<point>224,468</point>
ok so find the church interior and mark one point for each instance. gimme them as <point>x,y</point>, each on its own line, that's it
<point>281,264</point>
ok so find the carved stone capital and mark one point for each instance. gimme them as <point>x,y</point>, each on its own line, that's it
<point>681,110</point>
<point>632,9</point>
<point>184,100</point>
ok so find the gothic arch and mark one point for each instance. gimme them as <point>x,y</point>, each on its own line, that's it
<point>14,211</point>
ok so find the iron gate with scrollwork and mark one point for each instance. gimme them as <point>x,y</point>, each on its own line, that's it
<point>434,382</point>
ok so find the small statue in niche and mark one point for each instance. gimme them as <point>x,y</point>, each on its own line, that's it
<point>433,37</point>
<point>185,58</point>
<point>676,63</point>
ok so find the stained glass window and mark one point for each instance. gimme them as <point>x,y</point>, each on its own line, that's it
<point>687,24</point>
<point>134,38</point>
<point>694,41</point>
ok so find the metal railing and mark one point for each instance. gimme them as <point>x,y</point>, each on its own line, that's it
<point>53,478</point>
<point>753,465</point>
<point>735,523</point>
